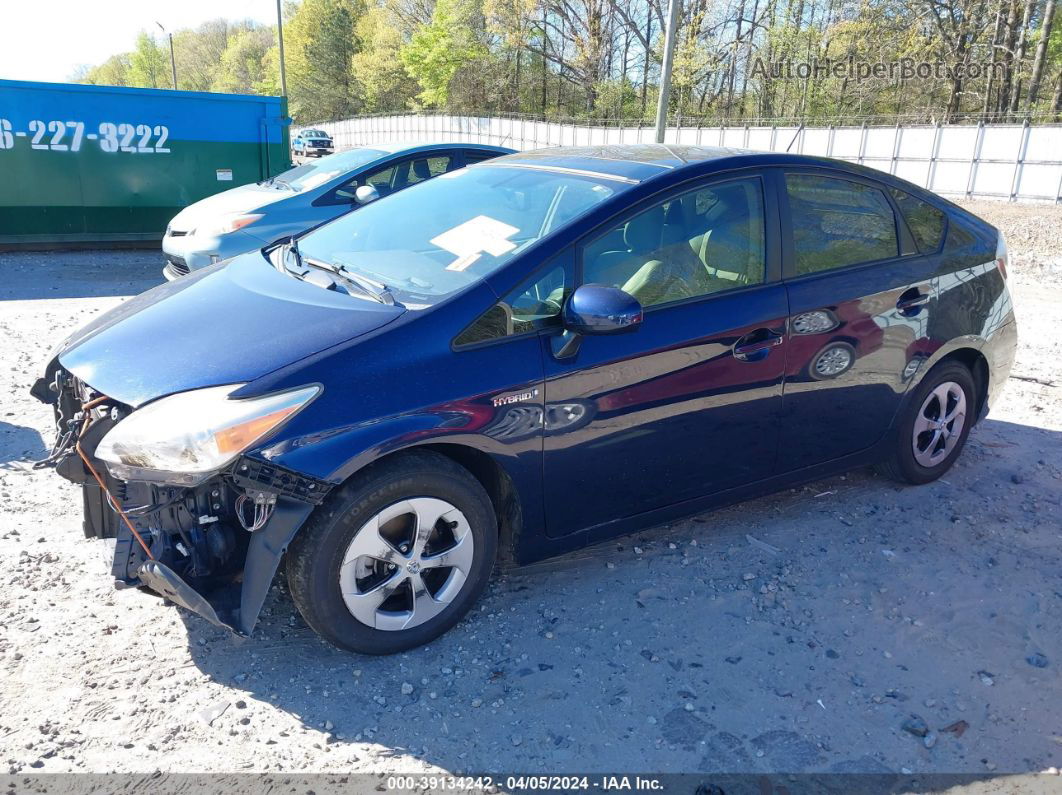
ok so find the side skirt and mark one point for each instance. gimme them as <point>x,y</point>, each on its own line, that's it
<point>541,547</point>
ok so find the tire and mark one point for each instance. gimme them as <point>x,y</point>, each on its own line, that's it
<point>925,458</point>
<point>378,511</point>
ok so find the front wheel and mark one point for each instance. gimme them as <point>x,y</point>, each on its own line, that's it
<point>934,427</point>
<point>396,557</point>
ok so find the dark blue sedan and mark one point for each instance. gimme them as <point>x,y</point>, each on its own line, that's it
<point>520,358</point>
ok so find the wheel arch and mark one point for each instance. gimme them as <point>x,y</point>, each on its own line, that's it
<point>496,481</point>
<point>977,364</point>
<point>489,473</point>
<point>967,352</point>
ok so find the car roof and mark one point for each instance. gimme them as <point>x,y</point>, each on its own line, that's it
<point>641,162</point>
<point>408,148</point>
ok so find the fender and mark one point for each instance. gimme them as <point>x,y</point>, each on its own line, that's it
<point>966,342</point>
<point>363,444</point>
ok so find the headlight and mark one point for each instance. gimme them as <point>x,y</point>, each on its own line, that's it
<point>225,224</point>
<point>186,437</point>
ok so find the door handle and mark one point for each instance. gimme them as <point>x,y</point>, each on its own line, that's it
<point>757,345</point>
<point>913,302</point>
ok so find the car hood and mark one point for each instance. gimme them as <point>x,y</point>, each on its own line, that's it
<point>229,323</point>
<point>244,199</point>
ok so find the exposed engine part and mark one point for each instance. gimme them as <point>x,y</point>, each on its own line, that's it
<point>187,543</point>
<point>72,402</point>
<point>183,529</point>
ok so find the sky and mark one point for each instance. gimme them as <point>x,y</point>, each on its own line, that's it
<point>47,41</point>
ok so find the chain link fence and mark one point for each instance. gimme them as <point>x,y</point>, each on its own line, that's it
<point>1012,162</point>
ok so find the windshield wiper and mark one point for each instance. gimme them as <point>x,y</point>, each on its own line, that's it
<point>378,291</point>
<point>293,248</point>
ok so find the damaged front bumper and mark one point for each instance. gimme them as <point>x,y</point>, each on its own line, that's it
<point>193,545</point>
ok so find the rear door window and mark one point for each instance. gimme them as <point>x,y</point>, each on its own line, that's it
<point>424,168</point>
<point>837,223</point>
<point>472,156</point>
<point>924,220</point>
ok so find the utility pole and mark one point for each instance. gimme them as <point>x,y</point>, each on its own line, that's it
<point>280,40</point>
<point>173,61</point>
<point>674,7</point>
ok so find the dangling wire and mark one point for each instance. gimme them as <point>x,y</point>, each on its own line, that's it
<point>262,512</point>
<point>110,497</point>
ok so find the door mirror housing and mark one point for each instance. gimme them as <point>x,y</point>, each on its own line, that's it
<point>365,194</point>
<point>597,309</point>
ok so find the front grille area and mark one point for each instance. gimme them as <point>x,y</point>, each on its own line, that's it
<point>177,264</point>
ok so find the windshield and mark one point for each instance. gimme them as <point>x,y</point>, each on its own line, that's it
<point>441,235</point>
<point>310,175</point>
<point>314,134</point>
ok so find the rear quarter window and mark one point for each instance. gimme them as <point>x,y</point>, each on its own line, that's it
<point>925,221</point>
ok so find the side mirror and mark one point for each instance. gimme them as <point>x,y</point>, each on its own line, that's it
<point>597,309</point>
<point>366,194</point>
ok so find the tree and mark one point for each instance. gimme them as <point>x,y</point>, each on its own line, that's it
<point>242,68</point>
<point>598,59</point>
<point>448,44</point>
<point>149,64</point>
<point>1041,53</point>
<point>320,43</point>
<point>198,52</point>
<point>112,72</point>
<point>378,68</point>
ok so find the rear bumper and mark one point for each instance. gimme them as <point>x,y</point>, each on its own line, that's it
<point>999,351</point>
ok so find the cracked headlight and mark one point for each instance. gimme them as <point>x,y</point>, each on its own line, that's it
<point>185,438</point>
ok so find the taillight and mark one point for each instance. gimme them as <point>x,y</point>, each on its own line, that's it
<point>1002,255</point>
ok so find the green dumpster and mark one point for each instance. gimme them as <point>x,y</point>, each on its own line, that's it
<point>96,165</point>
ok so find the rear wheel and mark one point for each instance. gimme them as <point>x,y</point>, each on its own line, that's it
<point>396,557</point>
<point>935,425</point>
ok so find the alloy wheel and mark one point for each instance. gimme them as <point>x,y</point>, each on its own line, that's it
<point>939,424</point>
<point>407,563</point>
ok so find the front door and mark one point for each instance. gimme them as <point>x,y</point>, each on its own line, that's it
<point>687,404</point>
<point>860,298</point>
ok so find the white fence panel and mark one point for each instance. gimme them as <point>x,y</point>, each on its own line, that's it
<point>1005,161</point>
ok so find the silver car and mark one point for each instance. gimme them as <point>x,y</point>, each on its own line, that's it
<point>249,217</point>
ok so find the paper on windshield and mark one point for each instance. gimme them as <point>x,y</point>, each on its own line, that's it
<point>470,239</point>
<point>313,180</point>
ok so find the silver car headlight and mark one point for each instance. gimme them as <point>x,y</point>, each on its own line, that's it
<point>226,224</point>
<point>185,438</point>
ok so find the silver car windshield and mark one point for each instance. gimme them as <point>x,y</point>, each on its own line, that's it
<point>439,236</point>
<point>310,175</point>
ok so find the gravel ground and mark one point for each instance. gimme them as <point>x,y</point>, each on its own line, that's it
<point>803,631</point>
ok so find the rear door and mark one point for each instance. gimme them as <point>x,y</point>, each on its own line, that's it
<point>860,298</point>
<point>687,404</point>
